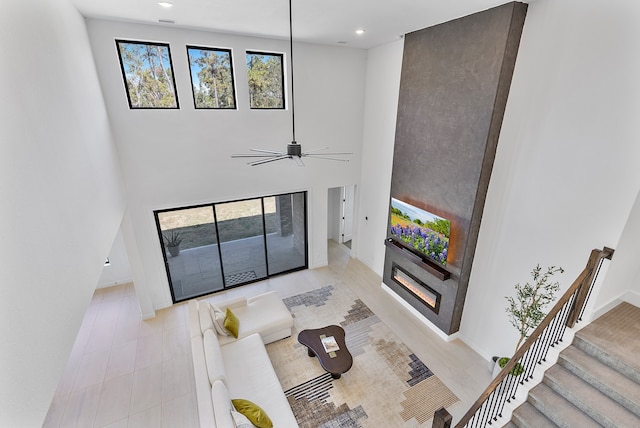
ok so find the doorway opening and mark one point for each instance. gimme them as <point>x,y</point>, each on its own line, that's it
<point>340,216</point>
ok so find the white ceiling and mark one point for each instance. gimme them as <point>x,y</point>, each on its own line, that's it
<point>314,21</point>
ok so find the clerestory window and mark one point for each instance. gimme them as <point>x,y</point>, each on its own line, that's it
<point>148,75</point>
<point>211,78</point>
<point>266,80</point>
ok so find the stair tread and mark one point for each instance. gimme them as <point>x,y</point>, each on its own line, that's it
<point>558,409</point>
<point>608,380</point>
<point>615,334</point>
<point>526,416</point>
<point>590,400</point>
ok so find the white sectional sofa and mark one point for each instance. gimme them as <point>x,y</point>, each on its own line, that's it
<point>227,368</point>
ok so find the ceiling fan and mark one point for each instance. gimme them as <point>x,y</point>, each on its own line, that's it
<point>294,150</point>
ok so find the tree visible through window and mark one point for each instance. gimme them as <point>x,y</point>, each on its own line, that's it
<point>266,80</point>
<point>211,77</point>
<point>148,74</point>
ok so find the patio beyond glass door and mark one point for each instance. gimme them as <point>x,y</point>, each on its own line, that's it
<point>194,263</point>
<point>286,232</point>
<point>241,231</point>
<point>213,247</point>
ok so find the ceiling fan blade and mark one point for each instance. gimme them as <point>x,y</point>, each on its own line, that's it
<point>263,161</point>
<point>252,156</point>
<point>317,150</point>
<point>297,160</point>
<point>323,157</point>
<point>273,152</point>
<point>323,154</point>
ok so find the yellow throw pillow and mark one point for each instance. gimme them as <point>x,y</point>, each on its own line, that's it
<point>232,324</point>
<point>253,412</point>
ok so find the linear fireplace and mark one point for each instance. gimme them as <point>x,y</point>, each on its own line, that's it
<point>424,286</point>
<point>417,288</point>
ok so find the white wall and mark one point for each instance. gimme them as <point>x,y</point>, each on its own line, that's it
<point>175,158</point>
<point>566,173</point>
<point>623,275</point>
<point>61,193</point>
<point>384,64</point>
<point>118,271</point>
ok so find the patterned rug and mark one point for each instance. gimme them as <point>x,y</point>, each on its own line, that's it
<point>387,386</point>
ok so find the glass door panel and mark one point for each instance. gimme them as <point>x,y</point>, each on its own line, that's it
<point>191,251</point>
<point>241,232</point>
<point>286,232</point>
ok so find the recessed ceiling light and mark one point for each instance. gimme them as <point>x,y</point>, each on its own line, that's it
<point>360,31</point>
<point>165,4</point>
<point>166,21</point>
<point>341,42</point>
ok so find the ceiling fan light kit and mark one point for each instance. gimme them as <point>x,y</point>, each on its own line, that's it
<point>294,150</point>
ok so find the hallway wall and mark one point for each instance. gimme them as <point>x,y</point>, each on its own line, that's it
<point>62,196</point>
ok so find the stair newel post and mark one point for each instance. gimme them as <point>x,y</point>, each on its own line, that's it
<point>585,288</point>
<point>441,419</point>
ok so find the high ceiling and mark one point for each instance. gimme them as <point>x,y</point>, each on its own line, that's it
<point>314,21</point>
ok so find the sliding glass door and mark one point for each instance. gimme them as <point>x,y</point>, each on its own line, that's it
<point>241,228</point>
<point>212,247</point>
<point>193,262</point>
<point>286,232</point>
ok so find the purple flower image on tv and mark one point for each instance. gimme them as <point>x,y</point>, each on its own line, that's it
<point>421,230</point>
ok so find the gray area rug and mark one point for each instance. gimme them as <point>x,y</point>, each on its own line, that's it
<point>387,386</point>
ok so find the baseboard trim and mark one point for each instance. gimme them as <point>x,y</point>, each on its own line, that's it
<point>632,297</point>
<point>149,316</point>
<point>116,282</point>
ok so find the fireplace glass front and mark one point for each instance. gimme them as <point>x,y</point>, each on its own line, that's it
<point>417,288</point>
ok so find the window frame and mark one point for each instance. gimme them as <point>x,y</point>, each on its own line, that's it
<point>282,76</point>
<point>124,74</point>
<point>231,70</point>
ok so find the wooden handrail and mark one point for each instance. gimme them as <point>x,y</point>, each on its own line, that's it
<point>580,288</point>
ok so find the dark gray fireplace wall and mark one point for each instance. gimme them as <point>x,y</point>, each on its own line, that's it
<point>454,85</point>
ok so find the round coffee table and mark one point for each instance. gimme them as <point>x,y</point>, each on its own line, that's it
<point>336,362</point>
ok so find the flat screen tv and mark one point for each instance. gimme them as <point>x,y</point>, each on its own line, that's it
<point>420,231</point>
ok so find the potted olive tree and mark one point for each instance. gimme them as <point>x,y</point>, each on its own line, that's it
<point>173,241</point>
<point>525,309</point>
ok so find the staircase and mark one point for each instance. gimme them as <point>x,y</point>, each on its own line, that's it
<point>596,381</point>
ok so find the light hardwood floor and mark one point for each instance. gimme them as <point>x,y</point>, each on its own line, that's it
<point>124,372</point>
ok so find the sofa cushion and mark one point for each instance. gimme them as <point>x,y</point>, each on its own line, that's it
<point>222,406</point>
<point>213,357</point>
<point>203,387</point>
<point>233,303</point>
<point>194,319</point>
<point>255,379</point>
<point>265,314</point>
<point>217,316</point>
<point>231,323</point>
<point>206,323</point>
<point>241,420</point>
<point>253,412</point>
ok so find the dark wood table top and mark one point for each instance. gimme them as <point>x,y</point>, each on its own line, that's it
<point>341,361</point>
